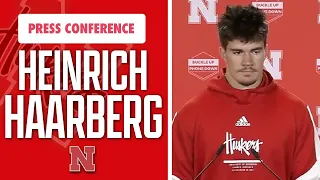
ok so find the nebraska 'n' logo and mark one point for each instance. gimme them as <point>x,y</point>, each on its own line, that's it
<point>203,66</point>
<point>319,12</point>
<point>207,8</point>
<point>318,66</point>
<point>77,158</point>
<point>318,114</point>
<point>272,8</point>
<point>273,64</point>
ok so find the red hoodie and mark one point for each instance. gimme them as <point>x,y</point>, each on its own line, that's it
<point>269,119</point>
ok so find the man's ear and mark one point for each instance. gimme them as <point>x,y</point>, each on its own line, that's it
<point>266,49</point>
<point>222,53</point>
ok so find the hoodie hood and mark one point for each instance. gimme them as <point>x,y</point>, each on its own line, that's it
<point>247,96</point>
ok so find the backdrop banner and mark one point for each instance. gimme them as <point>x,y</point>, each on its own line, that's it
<point>293,58</point>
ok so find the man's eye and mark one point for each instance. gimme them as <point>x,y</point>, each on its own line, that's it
<point>236,52</point>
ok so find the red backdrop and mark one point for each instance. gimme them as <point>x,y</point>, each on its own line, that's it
<point>293,51</point>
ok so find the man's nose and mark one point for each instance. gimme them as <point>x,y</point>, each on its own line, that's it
<point>247,59</point>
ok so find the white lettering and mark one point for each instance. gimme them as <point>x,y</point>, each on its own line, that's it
<point>268,5</point>
<point>55,105</point>
<point>318,15</point>
<point>23,70</point>
<point>273,65</point>
<point>142,70</point>
<point>73,118</point>
<point>208,12</point>
<point>43,70</point>
<point>271,11</point>
<point>95,116</point>
<point>112,116</point>
<point>73,70</point>
<point>128,119</point>
<point>241,145</point>
<point>318,114</point>
<point>137,112</point>
<point>114,70</point>
<point>203,68</point>
<point>35,103</point>
<point>10,116</point>
<point>157,100</point>
<point>88,74</point>
<point>91,70</point>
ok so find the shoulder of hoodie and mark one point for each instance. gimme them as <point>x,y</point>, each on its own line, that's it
<point>291,101</point>
<point>297,107</point>
<point>195,104</point>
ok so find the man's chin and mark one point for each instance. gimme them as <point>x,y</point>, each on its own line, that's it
<point>247,82</point>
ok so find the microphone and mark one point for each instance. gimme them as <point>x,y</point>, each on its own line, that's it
<point>256,155</point>
<point>214,158</point>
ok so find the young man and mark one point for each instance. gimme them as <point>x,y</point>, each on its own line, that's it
<point>246,112</point>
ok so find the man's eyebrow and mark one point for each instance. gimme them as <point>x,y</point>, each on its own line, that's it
<point>257,48</point>
<point>254,49</point>
<point>233,49</point>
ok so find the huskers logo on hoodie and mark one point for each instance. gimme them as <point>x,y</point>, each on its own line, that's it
<point>241,145</point>
<point>235,145</point>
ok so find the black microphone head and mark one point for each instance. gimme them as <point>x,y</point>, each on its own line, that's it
<point>221,148</point>
<point>255,153</point>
